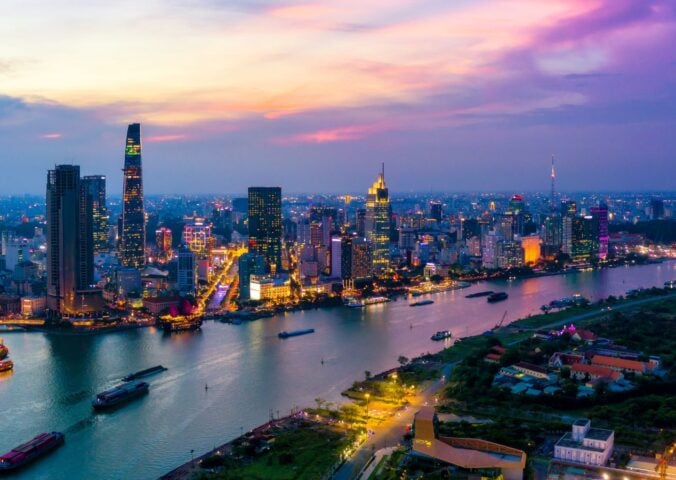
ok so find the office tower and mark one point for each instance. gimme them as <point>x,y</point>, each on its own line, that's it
<point>360,222</point>
<point>377,223</point>
<point>657,209</point>
<point>583,239</point>
<point>600,217</point>
<point>531,249</point>
<point>356,260</point>
<point>15,249</point>
<point>133,231</point>
<point>187,271</point>
<point>164,239</point>
<point>336,249</point>
<point>505,226</point>
<point>95,187</point>
<point>436,210</point>
<point>290,230</point>
<point>249,264</point>
<point>569,208</point>
<point>70,251</point>
<point>516,204</point>
<point>265,225</point>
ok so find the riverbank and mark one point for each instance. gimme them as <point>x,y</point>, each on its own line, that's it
<point>383,404</point>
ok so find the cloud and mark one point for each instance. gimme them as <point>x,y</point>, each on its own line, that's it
<point>51,136</point>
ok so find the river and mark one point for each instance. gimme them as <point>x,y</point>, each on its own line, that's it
<point>249,371</point>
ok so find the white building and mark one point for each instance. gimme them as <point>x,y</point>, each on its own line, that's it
<point>585,445</point>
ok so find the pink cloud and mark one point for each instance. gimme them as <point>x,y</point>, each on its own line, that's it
<point>331,135</point>
<point>165,138</point>
<point>51,136</point>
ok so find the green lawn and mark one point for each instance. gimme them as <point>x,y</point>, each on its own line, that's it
<point>306,453</point>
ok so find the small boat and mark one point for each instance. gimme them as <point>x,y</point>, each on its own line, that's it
<point>6,365</point>
<point>182,326</point>
<point>119,394</point>
<point>441,335</point>
<point>295,333</point>
<point>144,373</point>
<point>4,351</point>
<point>479,294</point>
<point>29,451</point>
<point>497,297</point>
<point>420,303</point>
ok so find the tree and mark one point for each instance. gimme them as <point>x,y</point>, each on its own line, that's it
<point>402,360</point>
<point>367,375</point>
<point>565,373</point>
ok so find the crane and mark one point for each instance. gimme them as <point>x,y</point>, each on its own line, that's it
<point>663,463</point>
<point>502,320</point>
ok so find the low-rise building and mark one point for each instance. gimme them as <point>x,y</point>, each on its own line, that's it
<point>585,445</point>
<point>272,289</point>
<point>159,305</point>
<point>531,370</point>
<point>580,371</point>
<point>33,306</point>
<point>560,360</point>
<point>621,364</point>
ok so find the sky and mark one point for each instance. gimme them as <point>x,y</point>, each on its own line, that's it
<point>453,95</point>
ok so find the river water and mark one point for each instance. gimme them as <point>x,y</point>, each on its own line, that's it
<point>249,372</point>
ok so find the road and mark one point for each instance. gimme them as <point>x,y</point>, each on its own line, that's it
<point>390,432</point>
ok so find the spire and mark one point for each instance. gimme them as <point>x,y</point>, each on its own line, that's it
<point>383,171</point>
<point>552,203</point>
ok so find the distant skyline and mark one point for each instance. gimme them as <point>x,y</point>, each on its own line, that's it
<point>313,95</point>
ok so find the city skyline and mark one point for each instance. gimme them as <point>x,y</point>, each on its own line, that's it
<point>473,96</point>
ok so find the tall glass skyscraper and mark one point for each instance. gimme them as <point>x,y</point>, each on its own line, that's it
<point>70,253</point>
<point>377,223</point>
<point>265,225</point>
<point>133,234</point>
<point>95,187</point>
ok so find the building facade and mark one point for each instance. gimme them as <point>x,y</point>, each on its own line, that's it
<point>377,223</point>
<point>133,229</point>
<point>95,188</point>
<point>265,225</point>
<point>585,445</point>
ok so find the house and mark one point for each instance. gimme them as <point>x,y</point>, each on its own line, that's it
<point>621,364</point>
<point>495,354</point>
<point>581,371</point>
<point>585,445</point>
<point>559,360</point>
<point>586,336</point>
<point>532,370</point>
<point>158,305</point>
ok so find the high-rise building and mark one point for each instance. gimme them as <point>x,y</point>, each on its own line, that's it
<point>249,264</point>
<point>600,217</point>
<point>164,240</point>
<point>187,271</point>
<point>265,225</point>
<point>70,251</point>
<point>584,245</point>
<point>356,262</point>
<point>197,236</point>
<point>95,188</point>
<point>377,223</point>
<point>360,222</point>
<point>133,231</point>
<point>436,211</point>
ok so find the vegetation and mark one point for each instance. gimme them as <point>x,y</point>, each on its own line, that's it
<point>303,453</point>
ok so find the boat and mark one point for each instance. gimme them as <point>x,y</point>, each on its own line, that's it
<point>420,303</point>
<point>144,373</point>
<point>497,297</point>
<point>4,351</point>
<point>295,333</point>
<point>6,365</point>
<point>29,451</point>
<point>479,294</point>
<point>356,303</point>
<point>182,326</point>
<point>441,335</point>
<point>119,394</point>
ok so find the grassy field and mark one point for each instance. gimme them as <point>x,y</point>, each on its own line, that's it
<point>303,454</point>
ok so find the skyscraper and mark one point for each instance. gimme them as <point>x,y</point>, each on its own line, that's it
<point>70,252</point>
<point>133,232</point>
<point>600,216</point>
<point>377,223</point>
<point>265,225</point>
<point>95,188</point>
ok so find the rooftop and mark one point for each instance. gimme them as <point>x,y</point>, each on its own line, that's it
<point>568,442</point>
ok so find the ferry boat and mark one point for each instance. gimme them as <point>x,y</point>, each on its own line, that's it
<point>420,303</point>
<point>479,294</point>
<point>365,302</point>
<point>29,451</point>
<point>6,365</point>
<point>497,297</point>
<point>295,333</point>
<point>119,394</point>
<point>441,335</point>
<point>144,373</point>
